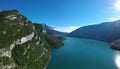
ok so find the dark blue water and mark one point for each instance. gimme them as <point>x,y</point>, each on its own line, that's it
<point>84,54</point>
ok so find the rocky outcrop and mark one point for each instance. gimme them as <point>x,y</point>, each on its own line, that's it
<point>115,45</point>
<point>7,52</point>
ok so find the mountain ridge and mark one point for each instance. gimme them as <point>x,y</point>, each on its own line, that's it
<point>107,31</point>
<point>22,44</point>
<point>51,31</point>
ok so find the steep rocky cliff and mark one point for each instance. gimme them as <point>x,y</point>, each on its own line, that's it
<point>22,45</point>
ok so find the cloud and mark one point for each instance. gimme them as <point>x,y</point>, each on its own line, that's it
<point>114,18</point>
<point>67,29</point>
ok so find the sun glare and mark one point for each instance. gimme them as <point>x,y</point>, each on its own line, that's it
<point>117,61</point>
<point>117,5</point>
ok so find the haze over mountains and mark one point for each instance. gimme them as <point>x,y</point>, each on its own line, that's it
<point>52,31</point>
<point>107,31</point>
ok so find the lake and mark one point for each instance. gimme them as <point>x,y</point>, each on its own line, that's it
<point>84,54</point>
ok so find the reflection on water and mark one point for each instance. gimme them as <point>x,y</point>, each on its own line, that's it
<point>117,59</point>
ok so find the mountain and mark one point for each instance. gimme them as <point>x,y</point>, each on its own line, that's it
<point>51,40</point>
<point>52,31</point>
<point>23,45</point>
<point>107,31</point>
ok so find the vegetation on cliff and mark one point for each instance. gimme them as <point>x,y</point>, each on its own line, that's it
<point>23,45</point>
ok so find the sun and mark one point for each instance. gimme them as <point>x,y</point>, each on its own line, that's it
<point>117,5</point>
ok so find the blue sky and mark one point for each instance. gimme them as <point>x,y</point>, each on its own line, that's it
<point>66,15</point>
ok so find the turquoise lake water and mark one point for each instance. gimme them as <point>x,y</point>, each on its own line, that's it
<point>84,54</point>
